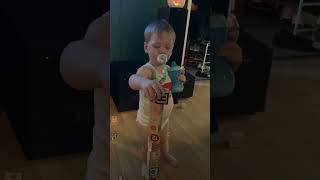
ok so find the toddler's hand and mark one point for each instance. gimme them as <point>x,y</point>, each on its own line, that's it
<point>151,89</point>
<point>182,77</point>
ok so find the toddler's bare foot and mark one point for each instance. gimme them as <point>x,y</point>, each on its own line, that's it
<point>170,159</point>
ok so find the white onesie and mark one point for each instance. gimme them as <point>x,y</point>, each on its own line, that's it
<point>144,112</point>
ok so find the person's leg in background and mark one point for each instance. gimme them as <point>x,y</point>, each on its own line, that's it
<point>175,98</point>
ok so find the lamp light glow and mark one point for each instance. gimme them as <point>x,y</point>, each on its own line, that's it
<point>176,3</point>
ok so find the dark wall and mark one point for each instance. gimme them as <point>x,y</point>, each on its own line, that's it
<point>42,108</point>
<point>128,21</point>
<point>220,6</point>
<point>37,32</point>
<point>53,19</point>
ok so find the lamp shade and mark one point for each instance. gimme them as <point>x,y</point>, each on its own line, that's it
<point>176,3</point>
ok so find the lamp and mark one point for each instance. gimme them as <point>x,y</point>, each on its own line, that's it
<point>180,4</point>
<point>176,3</point>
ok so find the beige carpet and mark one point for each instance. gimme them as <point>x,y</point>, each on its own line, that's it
<point>283,142</point>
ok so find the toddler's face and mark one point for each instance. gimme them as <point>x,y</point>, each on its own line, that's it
<point>161,43</point>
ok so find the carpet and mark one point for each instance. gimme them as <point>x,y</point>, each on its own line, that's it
<point>281,143</point>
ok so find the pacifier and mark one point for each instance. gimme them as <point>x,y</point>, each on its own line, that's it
<point>162,58</point>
